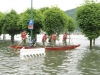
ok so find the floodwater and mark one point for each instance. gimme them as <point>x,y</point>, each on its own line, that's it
<point>79,61</point>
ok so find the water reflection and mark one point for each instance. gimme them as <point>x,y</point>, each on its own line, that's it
<point>32,67</point>
<point>53,62</point>
<point>90,63</point>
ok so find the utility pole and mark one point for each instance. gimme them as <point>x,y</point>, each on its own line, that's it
<point>31,22</point>
<point>31,19</point>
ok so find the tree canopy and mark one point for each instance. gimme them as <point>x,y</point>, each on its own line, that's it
<point>71,25</point>
<point>88,18</point>
<point>10,25</point>
<point>1,21</point>
<point>50,20</point>
<point>37,17</point>
<point>55,20</point>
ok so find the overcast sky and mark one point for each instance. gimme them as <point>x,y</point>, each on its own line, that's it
<point>22,5</point>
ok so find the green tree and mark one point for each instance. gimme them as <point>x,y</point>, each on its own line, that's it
<point>10,25</point>
<point>71,25</point>
<point>55,20</point>
<point>1,21</point>
<point>88,18</point>
<point>43,9</point>
<point>37,17</point>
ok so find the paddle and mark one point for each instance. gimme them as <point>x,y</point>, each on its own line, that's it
<point>19,44</point>
<point>72,41</point>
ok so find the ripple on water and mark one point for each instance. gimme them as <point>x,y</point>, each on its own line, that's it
<point>80,61</point>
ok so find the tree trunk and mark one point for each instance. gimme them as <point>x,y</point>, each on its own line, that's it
<point>93,41</point>
<point>90,44</point>
<point>12,39</point>
<point>4,37</point>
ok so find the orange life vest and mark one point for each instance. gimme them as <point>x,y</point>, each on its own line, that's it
<point>64,36</point>
<point>53,37</point>
<point>44,38</point>
<point>23,35</point>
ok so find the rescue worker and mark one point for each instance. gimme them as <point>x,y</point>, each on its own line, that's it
<point>53,38</point>
<point>44,38</point>
<point>64,39</point>
<point>23,35</point>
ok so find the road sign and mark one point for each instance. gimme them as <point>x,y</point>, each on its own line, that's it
<point>31,24</point>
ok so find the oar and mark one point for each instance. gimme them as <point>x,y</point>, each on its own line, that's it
<point>72,42</point>
<point>19,44</point>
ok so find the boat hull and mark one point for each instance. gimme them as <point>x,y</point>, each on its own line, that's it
<point>70,47</point>
<point>26,47</point>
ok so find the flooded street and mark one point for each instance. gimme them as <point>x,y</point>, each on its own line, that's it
<point>79,61</point>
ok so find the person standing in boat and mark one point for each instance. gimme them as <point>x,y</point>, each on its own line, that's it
<point>64,39</point>
<point>53,38</point>
<point>44,38</point>
<point>23,35</point>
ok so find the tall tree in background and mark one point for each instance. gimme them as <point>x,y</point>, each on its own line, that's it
<point>55,20</point>
<point>1,21</point>
<point>70,27</point>
<point>10,25</point>
<point>43,9</point>
<point>88,18</point>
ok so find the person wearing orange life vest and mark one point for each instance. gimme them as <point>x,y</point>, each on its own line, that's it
<point>44,38</point>
<point>23,35</point>
<point>64,39</point>
<point>53,38</point>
